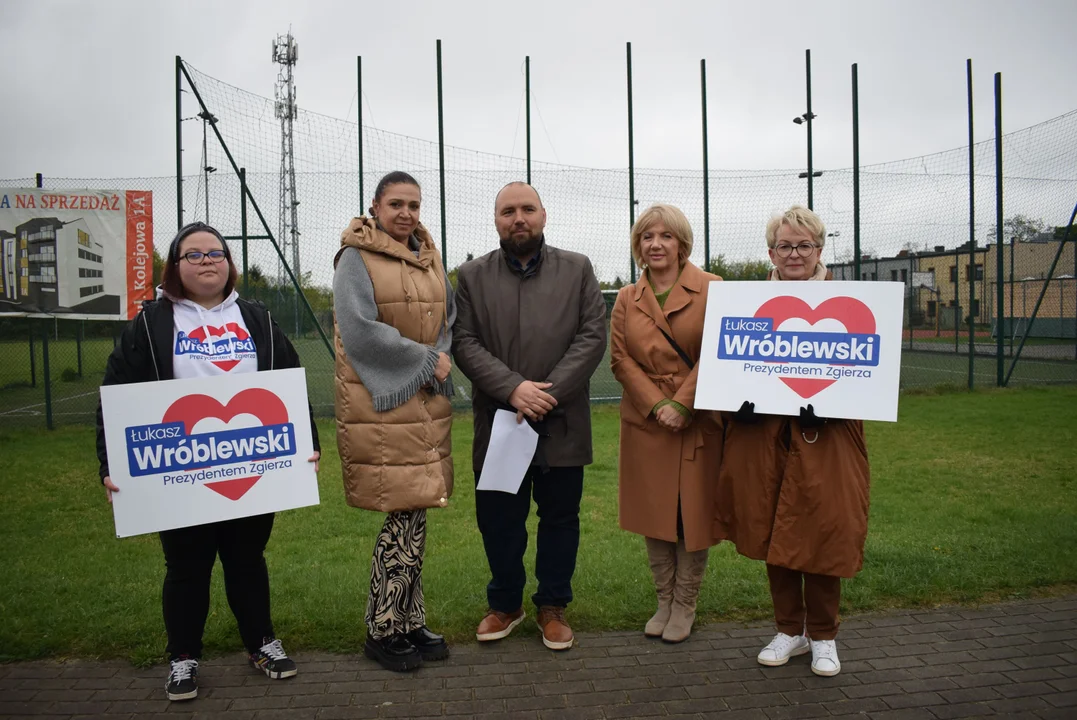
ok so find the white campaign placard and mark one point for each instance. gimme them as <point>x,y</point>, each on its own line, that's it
<point>189,452</point>
<point>783,345</point>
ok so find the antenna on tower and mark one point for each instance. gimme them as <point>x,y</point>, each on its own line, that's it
<point>286,55</point>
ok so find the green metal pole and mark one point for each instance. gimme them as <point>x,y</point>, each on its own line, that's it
<point>33,357</point>
<point>1011,329</point>
<point>441,159</point>
<point>243,229</point>
<point>856,174</point>
<point>527,93</point>
<point>48,377</point>
<point>972,232</point>
<point>908,289</point>
<point>179,142</point>
<point>807,69</point>
<point>359,118</point>
<point>79,329</point>
<point>957,303</point>
<point>631,162</point>
<point>999,288</point>
<point>706,172</point>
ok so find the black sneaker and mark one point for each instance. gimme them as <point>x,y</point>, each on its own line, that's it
<point>182,679</point>
<point>272,660</point>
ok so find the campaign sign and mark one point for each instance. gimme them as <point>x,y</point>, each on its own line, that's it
<point>189,452</point>
<point>782,345</point>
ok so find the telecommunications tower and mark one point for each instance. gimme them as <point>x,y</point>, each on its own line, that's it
<point>285,55</point>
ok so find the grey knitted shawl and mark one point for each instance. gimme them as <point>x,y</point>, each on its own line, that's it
<point>391,367</point>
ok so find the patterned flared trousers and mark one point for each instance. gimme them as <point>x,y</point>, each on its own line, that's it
<point>395,604</point>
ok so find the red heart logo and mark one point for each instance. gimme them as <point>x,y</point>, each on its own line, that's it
<point>262,404</point>
<point>199,334</point>
<point>850,312</point>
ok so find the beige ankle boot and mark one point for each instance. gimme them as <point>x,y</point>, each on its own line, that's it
<point>690,569</point>
<point>662,556</point>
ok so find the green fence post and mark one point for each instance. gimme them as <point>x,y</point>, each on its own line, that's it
<point>631,163</point>
<point>856,174</point>
<point>808,118</point>
<point>243,229</point>
<point>527,96</point>
<point>706,172</point>
<point>999,287</point>
<point>957,304</point>
<point>441,162</point>
<point>179,142</point>
<point>972,232</point>
<point>359,122</point>
<point>48,377</point>
<point>33,358</point>
<point>78,343</point>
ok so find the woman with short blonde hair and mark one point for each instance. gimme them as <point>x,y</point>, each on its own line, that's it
<point>669,452</point>
<point>795,239</point>
<point>793,491</point>
<point>674,220</point>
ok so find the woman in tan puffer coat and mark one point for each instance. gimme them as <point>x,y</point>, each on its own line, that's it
<point>394,312</point>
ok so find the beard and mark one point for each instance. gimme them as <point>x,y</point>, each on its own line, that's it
<point>522,247</point>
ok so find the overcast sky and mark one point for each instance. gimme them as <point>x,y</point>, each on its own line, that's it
<point>88,88</point>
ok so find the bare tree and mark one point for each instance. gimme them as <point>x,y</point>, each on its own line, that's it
<point>1020,228</point>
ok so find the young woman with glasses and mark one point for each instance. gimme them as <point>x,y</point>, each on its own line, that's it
<point>199,327</point>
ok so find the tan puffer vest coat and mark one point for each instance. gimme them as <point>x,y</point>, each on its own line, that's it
<point>400,459</point>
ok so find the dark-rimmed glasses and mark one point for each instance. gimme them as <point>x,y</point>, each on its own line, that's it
<point>195,257</point>
<point>803,250</point>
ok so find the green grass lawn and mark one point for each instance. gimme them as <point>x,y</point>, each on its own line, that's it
<point>974,497</point>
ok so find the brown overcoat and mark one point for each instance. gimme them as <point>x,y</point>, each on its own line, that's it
<point>795,498</point>
<point>658,467</point>
<point>547,326</point>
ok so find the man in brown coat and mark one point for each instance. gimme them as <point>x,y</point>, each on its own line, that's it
<point>530,330</point>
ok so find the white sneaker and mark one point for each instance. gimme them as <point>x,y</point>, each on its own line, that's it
<point>781,648</point>
<point>824,658</point>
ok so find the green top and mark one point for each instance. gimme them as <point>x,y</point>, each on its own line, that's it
<point>661,298</point>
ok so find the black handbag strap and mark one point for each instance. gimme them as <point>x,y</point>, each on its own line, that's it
<point>684,356</point>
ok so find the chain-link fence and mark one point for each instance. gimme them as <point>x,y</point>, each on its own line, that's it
<point>914,228</point>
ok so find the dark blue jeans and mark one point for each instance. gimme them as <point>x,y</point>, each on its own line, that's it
<point>502,519</point>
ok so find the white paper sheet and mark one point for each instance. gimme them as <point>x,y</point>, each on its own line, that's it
<point>509,454</point>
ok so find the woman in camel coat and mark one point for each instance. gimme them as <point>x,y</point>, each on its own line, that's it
<point>669,453</point>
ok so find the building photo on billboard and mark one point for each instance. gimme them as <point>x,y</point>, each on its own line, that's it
<point>84,254</point>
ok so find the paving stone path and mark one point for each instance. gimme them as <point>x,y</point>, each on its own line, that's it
<point>1008,660</point>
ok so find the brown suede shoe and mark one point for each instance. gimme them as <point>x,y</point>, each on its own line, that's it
<point>556,634</point>
<point>497,625</point>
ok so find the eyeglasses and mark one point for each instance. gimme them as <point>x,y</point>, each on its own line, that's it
<point>803,250</point>
<point>195,257</point>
